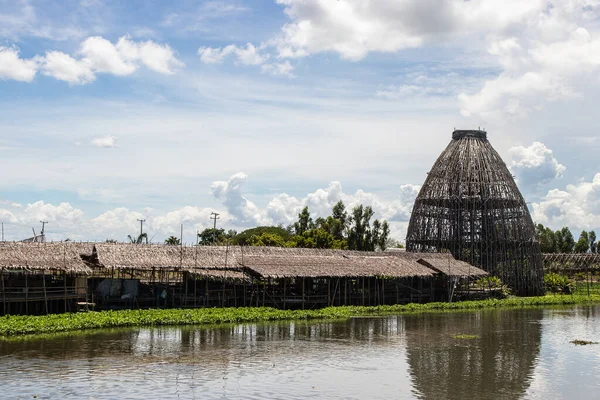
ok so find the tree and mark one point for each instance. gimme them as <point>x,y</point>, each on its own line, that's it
<point>266,239</point>
<point>243,238</point>
<point>568,240</point>
<point>110,241</point>
<point>593,244</point>
<point>359,234</point>
<point>173,241</point>
<point>546,238</point>
<point>339,220</point>
<point>304,223</point>
<point>583,244</point>
<point>210,235</point>
<point>138,239</point>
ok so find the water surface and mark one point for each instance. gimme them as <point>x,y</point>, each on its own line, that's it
<point>506,354</point>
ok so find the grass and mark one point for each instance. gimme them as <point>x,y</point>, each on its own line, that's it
<point>11,326</point>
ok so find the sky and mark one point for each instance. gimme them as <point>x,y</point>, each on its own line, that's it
<point>116,111</point>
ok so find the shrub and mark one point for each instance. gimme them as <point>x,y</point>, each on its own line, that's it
<point>556,283</point>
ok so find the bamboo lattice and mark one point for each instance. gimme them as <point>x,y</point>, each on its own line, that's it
<point>471,206</point>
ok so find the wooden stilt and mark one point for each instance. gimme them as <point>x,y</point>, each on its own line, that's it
<point>65,289</point>
<point>284,290</point>
<point>3,294</point>
<point>45,293</point>
<point>26,294</point>
<point>363,291</point>
<point>303,293</point>
<point>329,292</point>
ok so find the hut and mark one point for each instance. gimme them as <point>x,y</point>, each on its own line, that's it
<point>138,275</point>
<point>471,207</point>
<point>39,278</point>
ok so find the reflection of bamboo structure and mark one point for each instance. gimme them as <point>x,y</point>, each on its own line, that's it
<point>497,362</point>
<point>471,206</point>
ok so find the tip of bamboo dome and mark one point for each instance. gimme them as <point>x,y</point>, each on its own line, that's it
<point>477,134</point>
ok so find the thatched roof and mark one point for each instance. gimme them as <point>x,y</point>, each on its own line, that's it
<point>333,266</point>
<point>224,274</point>
<point>42,256</point>
<point>448,265</point>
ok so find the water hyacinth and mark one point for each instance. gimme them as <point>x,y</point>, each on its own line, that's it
<point>17,325</point>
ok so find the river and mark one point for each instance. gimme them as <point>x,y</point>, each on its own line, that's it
<point>500,354</point>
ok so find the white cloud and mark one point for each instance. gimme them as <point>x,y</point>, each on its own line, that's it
<point>279,69</point>
<point>105,142</point>
<point>105,57</point>
<point>577,206</point>
<point>284,209</point>
<point>353,28</point>
<point>99,55</point>
<point>552,56</point>
<point>63,67</point>
<point>535,164</point>
<point>12,66</point>
<point>242,210</point>
<point>247,55</point>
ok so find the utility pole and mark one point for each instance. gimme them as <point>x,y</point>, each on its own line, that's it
<point>214,216</point>
<point>141,221</point>
<point>42,233</point>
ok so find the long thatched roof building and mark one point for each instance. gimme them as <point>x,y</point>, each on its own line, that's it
<point>62,257</point>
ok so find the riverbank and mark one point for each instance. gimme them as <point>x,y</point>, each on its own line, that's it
<point>11,326</point>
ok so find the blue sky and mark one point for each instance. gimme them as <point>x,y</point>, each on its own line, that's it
<point>114,111</point>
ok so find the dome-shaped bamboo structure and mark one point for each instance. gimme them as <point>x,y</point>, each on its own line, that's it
<point>470,205</point>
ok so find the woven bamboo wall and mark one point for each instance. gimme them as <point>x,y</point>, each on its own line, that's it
<point>471,206</point>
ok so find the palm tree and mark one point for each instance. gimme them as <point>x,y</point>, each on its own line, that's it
<point>139,239</point>
<point>172,240</point>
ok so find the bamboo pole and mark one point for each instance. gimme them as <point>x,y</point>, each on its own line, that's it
<point>45,293</point>
<point>303,293</point>
<point>65,289</point>
<point>3,294</point>
<point>26,294</point>
<point>284,290</point>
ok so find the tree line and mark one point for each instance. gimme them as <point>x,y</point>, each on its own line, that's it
<point>562,241</point>
<point>354,230</point>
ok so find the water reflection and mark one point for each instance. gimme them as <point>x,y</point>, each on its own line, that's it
<point>517,353</point>
<point>499,360</point>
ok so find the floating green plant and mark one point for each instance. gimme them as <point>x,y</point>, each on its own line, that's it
<point>465,336</point>
<point>579,342</point>
<point>16,325</point>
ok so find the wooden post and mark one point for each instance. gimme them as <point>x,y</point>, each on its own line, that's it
<point>195,289</point>
<point>369,289</point>
<point>3,294</point>
<point>329,291</point>
<point>264,291</point>
<point>45,294</point>
<point>382,290</point>
<point>363,291</point>
<point>26,294</point>
<point>206,292</point>
<point>303,293</point>
<point>284,289</point>
<point>186,275</point>
<point>65,289</point>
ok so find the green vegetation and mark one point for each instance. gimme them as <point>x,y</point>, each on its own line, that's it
<point>562,241</point>
<point>25,325</point>
<point>578,342</point>
<point>340,230</point>
<point>173,241</point>
<point>556,283</point>
<point>465,336</point>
